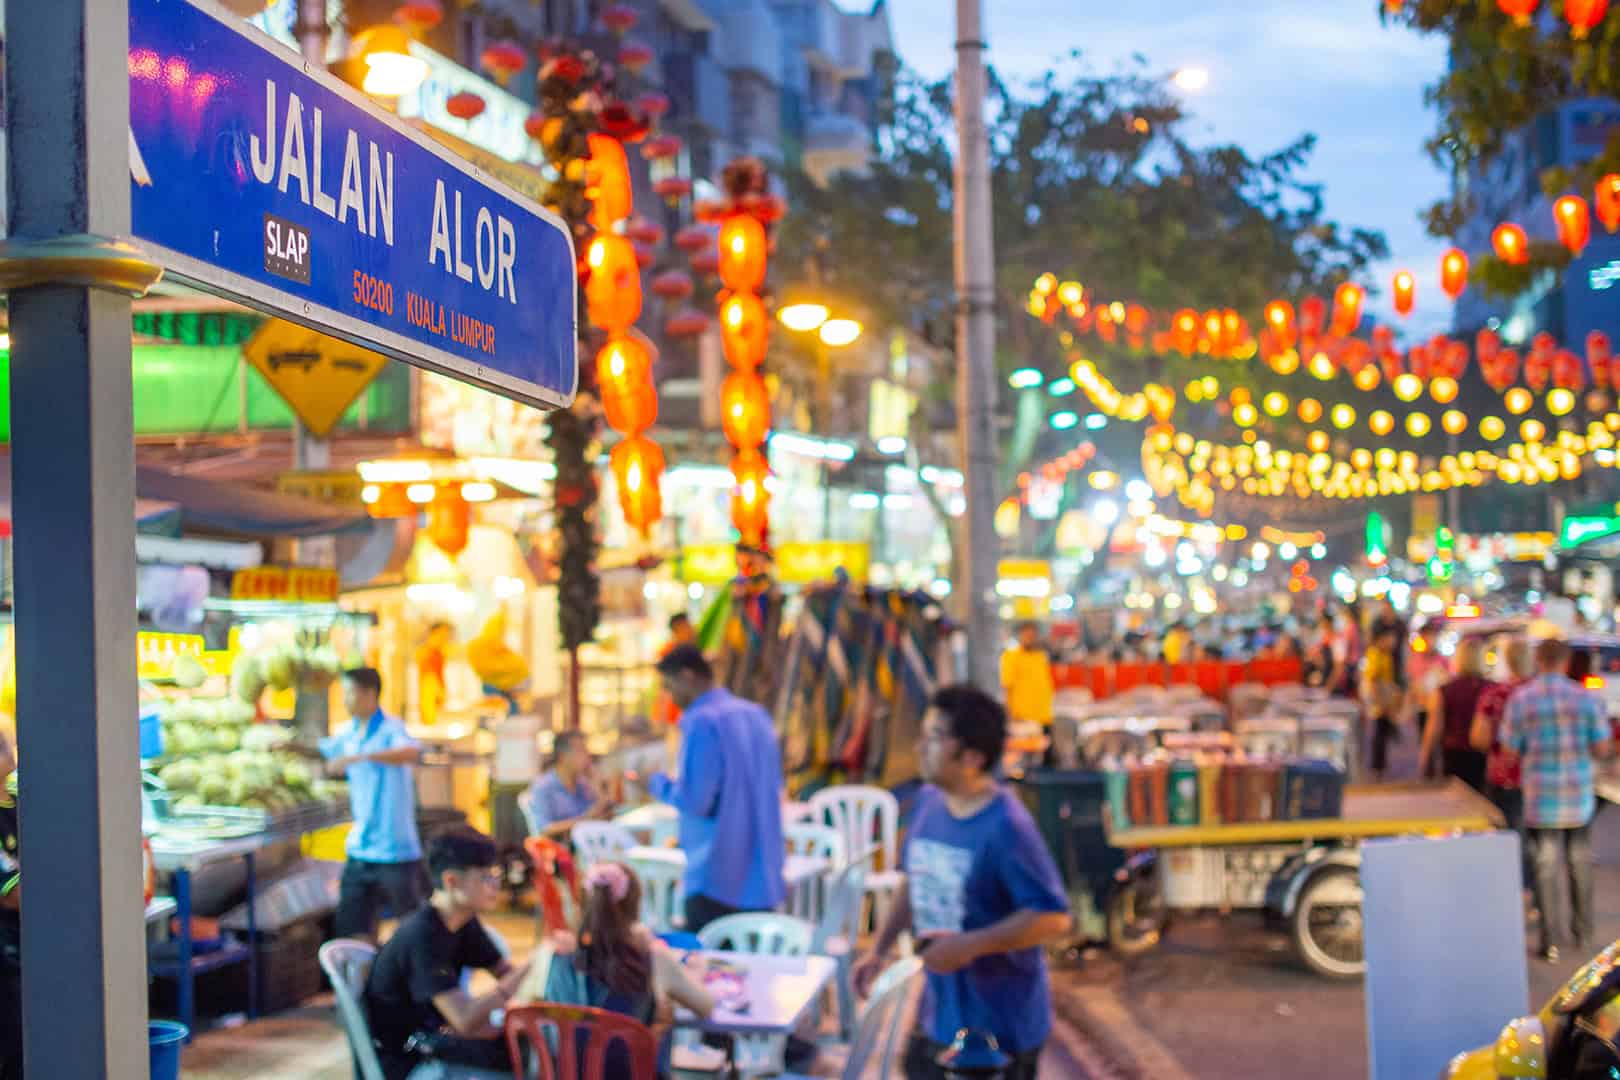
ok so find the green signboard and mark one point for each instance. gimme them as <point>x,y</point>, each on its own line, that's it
<point>1581,528</point>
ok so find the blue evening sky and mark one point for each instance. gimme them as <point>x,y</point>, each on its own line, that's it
<point>1278,68</point>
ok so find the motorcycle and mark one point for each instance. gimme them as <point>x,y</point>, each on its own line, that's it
<point>1575,1036</point>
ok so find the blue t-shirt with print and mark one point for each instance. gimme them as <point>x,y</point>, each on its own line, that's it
<point>966,874</point>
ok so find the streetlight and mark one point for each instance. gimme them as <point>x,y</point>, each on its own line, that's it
<point>382,60</point>
<point>832,332</point>
<point>1191,79</point>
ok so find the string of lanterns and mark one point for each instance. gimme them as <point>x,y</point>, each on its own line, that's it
<point>745,326</point>
<point>1583,16</point>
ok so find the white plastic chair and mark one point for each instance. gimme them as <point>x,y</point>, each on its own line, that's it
<point>600,841</point>
<point>662,896</point>
<point>866,817</point>
<point>836,935</point>
<point>347,963</point>
<point>759,934</point>
<point>819,842</point>
<point>877,1037</point>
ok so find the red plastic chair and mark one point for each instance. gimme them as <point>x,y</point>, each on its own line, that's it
<point>1183,674</point>
<point>602,1029</point>
<point>1210,677</point>
<point>552,862</point>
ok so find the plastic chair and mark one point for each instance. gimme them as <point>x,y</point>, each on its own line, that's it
<point>836,935</point>
<point>865,816</point>
<point>759,934</point>
<point>878,1035</point>
<point>347,963</point>
<point>662,896</point>
<point>820,842</point>
<point>571,1042</point>
<point>600,841</point>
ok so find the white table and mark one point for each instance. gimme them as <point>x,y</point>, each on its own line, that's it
<point>797,870</point>
<point>657,822</point>
<point>781,990</point>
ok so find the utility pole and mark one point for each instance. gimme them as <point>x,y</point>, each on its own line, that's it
<point>975,351</point>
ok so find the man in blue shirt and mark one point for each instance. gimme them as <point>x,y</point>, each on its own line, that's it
<point>729,794</point>
<point>565,796</point>
<point>982,895</point>
<point>384,868</point>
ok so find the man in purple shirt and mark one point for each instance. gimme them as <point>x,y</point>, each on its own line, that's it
<point>729,793</point>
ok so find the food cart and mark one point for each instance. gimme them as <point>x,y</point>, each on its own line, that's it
<point>1303,874</point>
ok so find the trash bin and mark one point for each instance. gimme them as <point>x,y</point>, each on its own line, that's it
<point>1067,805</point>
<point>165,1038</point>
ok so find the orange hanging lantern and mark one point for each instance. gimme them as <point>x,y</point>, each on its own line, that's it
<point>745,409</point>
<point>742,253</point>
<point>638,468</point>
<point>1574,222</point>
<point>1405,292</point>
<point>1453,273</point>
<point>1185,332</point>
<point>388,501</point>
<point>607,182</point>
<point>624,381</point>
<point>1607,201</point>
<point>1584,15</point>
<point>1511,244</point>
<point>449,521</point>
<point>1312,313</point>
<point>1518,10</point>
<point>745,330</point>
<point>613,290</point>
<point>1280,319</point>
<point>750,499</point>
<point>1347,300</point>
<point>419,16</point>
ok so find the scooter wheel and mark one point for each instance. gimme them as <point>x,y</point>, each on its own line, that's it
<point>1137,919</point>
<point>1327,926</point>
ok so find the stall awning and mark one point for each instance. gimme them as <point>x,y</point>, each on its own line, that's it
<point>213,508</point>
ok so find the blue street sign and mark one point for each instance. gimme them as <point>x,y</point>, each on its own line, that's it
<point>257,179</point>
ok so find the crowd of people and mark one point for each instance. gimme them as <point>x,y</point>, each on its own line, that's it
<point>982,895</point>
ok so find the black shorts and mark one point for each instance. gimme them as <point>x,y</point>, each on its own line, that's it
<point>371,890</point>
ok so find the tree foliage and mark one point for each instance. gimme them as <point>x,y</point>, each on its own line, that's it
<point>1094,177</point>
<point>1501,77</point>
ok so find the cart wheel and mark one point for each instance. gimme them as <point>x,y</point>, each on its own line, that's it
<point>1137,918</point>
<point>1327,924</point>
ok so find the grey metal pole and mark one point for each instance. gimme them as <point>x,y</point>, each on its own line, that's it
<point>975,350</point>
<point>73,498</point>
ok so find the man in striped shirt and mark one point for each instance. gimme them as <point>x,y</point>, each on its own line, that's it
<point>1556,728</point>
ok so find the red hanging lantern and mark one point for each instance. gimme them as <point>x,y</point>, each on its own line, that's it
<point>672,285</point>
<point>1607,201</point>
<point>1600,358</point>
<point>642,231</point>
<point>613,289</point>
<point>767,208</point>
<point>449,520</point>
<point>1519,10</point>
<point>695,238</point>
<point>1584,15</point>
<point>1511,244</point>
<point>1574,222</point>
<point>686,323</point>
<point>619,18</point>
<point>1312,317</point>
<point>711,211</point>
<point>419,16</point>
<point>1539,361</point>
<point>1453,273</point>
<point>1347,300</point>
<point>391,501</point>
<point>645,256</point>
<point>1136,319</point>
<point>1405,292</point>
<point>745,409</point>
<point>624,381</point>
<point>1568,371</point>
<point>743,251</point>
<point>1418,360</point>
<point>1507,368</point>
<point>672,189</point>
<point>1184,329</point>
<point>1280,320</point>
<point>704,262</point>
<point>745,330</point>
<point>635,56</point>
<point>607,182</point>
<point>652,105</point>
<point>534,126</point>
<point>638,467</point>
<point>503,59</point>
<point>464,106</point>
<point>661,147</point>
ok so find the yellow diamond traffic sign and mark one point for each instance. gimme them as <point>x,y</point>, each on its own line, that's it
<point>318,376</point>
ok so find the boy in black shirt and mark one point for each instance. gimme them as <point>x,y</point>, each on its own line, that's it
<point>414,1000</point>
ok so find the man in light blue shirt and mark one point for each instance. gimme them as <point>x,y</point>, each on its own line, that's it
<point>567,795</point>
<point>729,794</point>
<point>384,868</point>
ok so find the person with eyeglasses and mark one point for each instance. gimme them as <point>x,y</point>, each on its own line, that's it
<point>418,1008</point>
<point>982,895</point>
